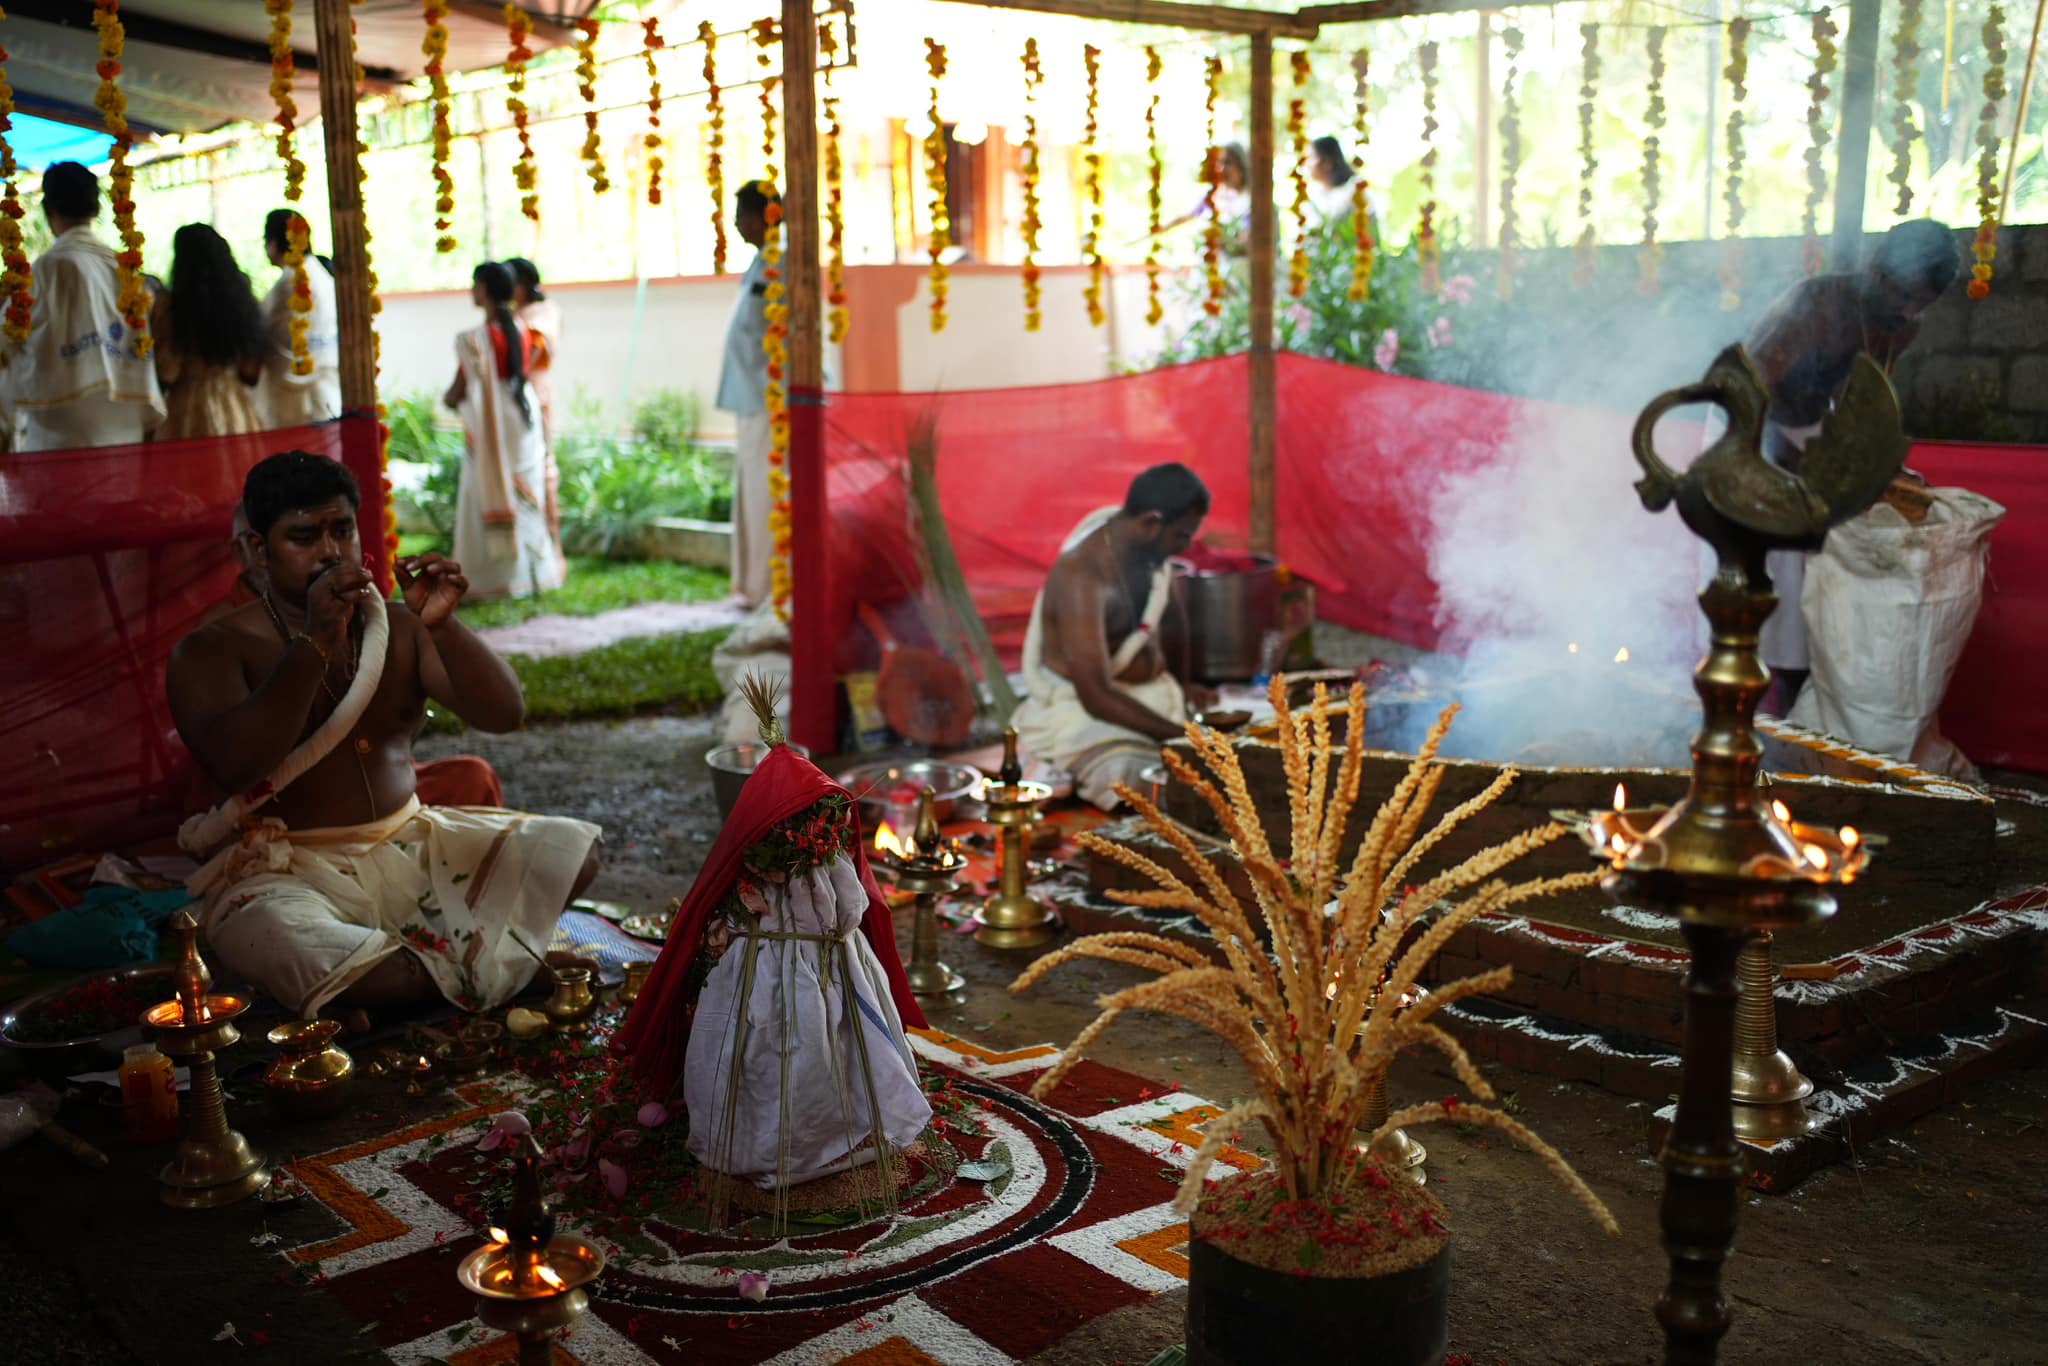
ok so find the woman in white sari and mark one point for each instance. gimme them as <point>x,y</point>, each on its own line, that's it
<point>502,536</point>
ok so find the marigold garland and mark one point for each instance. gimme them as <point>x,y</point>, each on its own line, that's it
<point>1155,172</point>
<point>1426,252</point>
<point>1361,214</point>
<point>714,154</point>
<point>1818,134</point>
<point>1297,132</point>
<point>518,28</point>
<point>1653,253</point>
<point>774,343</point>
<point>1034,76</point>
<point>1091,187</point>
<point>1985,248</point>
<point>838,321</point>
<point>1737,72</point>
<point>133,300</point>
<point>1905,62</point>
<point>435,48</point>
<point>586,86</point>
<point>298,235</point>
<point>15,271</point>
<point>651,43</point>
<point>1589,85</point>
<point>1510,159</point>
<point>1212,177</point>
<point>935,179</point>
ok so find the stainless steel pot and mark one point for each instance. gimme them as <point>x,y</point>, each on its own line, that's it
<point>1226,614</point>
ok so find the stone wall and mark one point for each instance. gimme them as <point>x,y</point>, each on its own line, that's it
<point>1979,371</point>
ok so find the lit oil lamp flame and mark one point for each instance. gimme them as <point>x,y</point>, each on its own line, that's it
<point>497,1235</point>
<point>1782,812</point>
<point>1621,655</point>
<point>549,1276</point>
<point>1621,796</point>
<point>1850,839</point>
<point>1617,843</point>
<point>887,842</point>
<point>1815,855</point>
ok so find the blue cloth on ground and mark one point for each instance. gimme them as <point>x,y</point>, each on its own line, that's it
<point>112,928</point>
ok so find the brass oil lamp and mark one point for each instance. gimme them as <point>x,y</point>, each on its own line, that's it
<point>1013,918</point>
<point>928,868</point>
<point>529,1280</point>
<point>212,1164</point>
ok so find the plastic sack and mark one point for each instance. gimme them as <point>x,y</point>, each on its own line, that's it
<point>1888,607</point>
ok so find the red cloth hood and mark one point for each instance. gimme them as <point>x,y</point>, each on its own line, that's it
<point>656,1033</point>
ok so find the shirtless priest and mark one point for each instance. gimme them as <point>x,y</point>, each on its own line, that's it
<point>327,883</point>
<point>1099,700</point>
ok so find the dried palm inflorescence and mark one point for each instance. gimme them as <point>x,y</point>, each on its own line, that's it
<point>1317,1018</point>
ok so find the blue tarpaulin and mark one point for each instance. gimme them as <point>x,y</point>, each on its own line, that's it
<point>39,142</point>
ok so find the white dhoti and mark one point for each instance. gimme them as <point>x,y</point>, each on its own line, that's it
<point>797,1064</point>
<point>503,538</point>
<point>1053,725</point>
<point>302,914</point>
<point>753,543</point>
<point>94,420</point>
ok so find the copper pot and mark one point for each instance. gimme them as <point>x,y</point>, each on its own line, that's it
<point>313,1076</point>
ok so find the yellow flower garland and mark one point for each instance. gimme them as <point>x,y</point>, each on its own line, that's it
<point>1818,135</point>
<point>586,86</point>
<point>1737,72</point>
<point>1905,60</point>
<point>1653,253</point>
<point>1034,76</point>
<point>1361,213</point>
<point>376,307</point>
<point>1212,177</point>
<point>837,320</point>
<point>714,141</point>
<point>1426,252</point>
<point>435,48</point>
<point>133,300</point>
<point>15,271</point>
<point>935,178</point>
<point>1091,188</point>
<point>1510,159</point>
<point>1156,176</point>
<point>518,28</point>
<point>1586,248</point>
<point>298,236</point>
<point>1985,248</point>
<point>1297,133</point>
<point>650,43</point>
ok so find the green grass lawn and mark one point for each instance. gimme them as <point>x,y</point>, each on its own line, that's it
<point>594,585</point>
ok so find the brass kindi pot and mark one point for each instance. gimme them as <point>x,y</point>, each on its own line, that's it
<point>313,1076</point>
<point>570,1008</point>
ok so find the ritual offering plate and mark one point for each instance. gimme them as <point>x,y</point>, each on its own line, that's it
<point>83,1025</point>
<point>879,787</point>
<point>650,927</point>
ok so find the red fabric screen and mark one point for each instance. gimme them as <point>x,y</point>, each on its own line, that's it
<point>108,558</point>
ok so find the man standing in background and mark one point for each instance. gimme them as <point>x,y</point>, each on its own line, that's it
<point>743,392</point>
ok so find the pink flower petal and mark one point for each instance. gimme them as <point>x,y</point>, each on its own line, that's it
<point>753,1285</point>
<point>614,1177</point>
<point>653,1115</point>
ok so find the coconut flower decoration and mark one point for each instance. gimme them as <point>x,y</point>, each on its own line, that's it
<point>1319,1017</point>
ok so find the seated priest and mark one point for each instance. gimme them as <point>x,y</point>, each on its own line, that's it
<point>1099,700</point>
<point>327,883</point>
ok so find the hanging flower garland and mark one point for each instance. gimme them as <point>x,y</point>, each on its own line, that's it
<point>775,341</point>
<point>1034,76</point>
<point>1905,64</point>
<point>586,86</point>
<point>1091,187</point>
<point>1426,254</point>
<point>836,317</point>
<point>518,28</point>
<point>714,154</point>
<point>1361,214</point>
<point>376,307</point>
<point>935,179</point>
<point>1155,171</point>
<point>298,234</point>
<point>1985,248</point>
<point>435,48</point>
<point>1586,249</point>
<point>1818,134</point>
<point>651,43</point>
<point>1737,72</point>
<point>1212,176</point>
<point>1510,158</point>
<point>1297,132</point>
<point>15,271</point>
<point>133,300</point>
<point>1653,253</point>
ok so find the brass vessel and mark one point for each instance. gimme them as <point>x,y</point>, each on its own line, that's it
<point>313,1076</point>
<point>527,1279</point>
<point>928,870</point>
<point>473,1046</point>
<point>213,1164</point>
<point>636,980</point>
<point>574,1001</point>
<point>1012,918</point>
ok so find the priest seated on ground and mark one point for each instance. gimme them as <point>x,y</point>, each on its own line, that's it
<point>1099,698</point>
<point>326,882</point>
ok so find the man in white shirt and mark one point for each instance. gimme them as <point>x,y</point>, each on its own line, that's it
<point>283,398</point>
<point>77,380</point>
<point>742,391</point>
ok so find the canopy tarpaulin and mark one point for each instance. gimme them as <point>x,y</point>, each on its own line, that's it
<point>108,558</point>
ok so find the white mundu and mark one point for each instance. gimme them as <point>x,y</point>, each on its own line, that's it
<point>283,398</point>
<point>76,380</point>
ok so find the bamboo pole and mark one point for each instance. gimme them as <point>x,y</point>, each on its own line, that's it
<point>812,678</point>
<point>345,204</point>
<point>1859,106</point>
<point>2019,121</point>
<point>1263,254</point>
<point>1167,13</point>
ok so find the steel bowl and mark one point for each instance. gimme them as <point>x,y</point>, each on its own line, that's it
<point>731,766</point>
<point>56,1059</point>
<point>950,783</point>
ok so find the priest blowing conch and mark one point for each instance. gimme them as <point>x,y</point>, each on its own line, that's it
<point>1099,699</point>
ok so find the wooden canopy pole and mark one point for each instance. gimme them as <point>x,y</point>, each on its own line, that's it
<point>1859,104</point>
<point>1169,14</point>
<point>336,48</point>
<point>1264,255</point>
<point>813,679</point>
